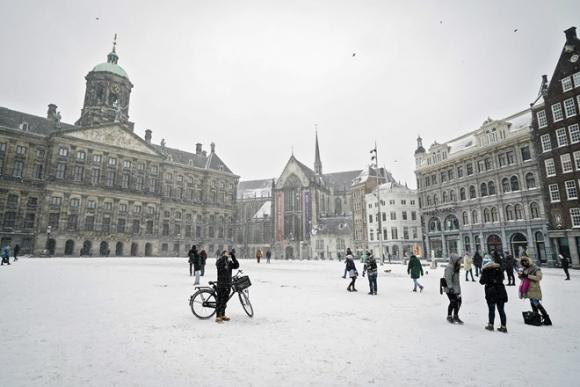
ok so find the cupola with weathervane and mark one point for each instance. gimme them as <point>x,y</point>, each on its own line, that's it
<point>107,94</point>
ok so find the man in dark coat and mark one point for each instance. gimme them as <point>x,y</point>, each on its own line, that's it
<point>509,269</point>
<point>268,256</point>
<point>477,262</point>
<point>195,260</point>
<point>224,264</point>
<point>495,293</point>
<point>203,256</point>
<point>16,252</point>
<point>565,264</point>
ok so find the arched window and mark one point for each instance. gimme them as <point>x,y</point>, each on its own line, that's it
<point>486,216</point>
<point>518,211</point>
<point>515,183</point>
<point>530,181</point>
<point>474,217</point>
<point>491,188</point>
<point>434,225</point>
<point>509,213</point>
<point>494,215</point>
<point>435,199</point>
<point>505,185</point>
<point>462,194</point>
<point>534,210</point>
<point>452,196</point>
<point>451,223</point>
<point>483,189</point>
<point>428,200</point>
<point>472,194</point>
<point>465,218</point>
<point>444,197</point>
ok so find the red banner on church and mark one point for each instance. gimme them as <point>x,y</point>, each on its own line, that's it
<point>279,221</point>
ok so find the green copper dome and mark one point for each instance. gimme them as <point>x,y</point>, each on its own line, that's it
<point>112,68</point>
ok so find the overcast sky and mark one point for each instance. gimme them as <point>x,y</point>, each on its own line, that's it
<point>256,76</point>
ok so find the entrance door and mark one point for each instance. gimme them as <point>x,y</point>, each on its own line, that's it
<point>69,247</point>
<point>289,252</point>
<point>51,246</point>
<point>119,249</point>
<point>148,250</point>
<point>494,244</point>
<point>104,249</point>
<point>134,249</point>
<point>519,244</point>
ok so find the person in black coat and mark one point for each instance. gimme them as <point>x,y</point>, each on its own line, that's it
<point>195,261</point>
<point>495,294</point>
<point>509,269</point>
<point>477,262</point>
<point>224,264</point>
<point>352,272</point>
<point>16,252</point>
<point>563,260</point>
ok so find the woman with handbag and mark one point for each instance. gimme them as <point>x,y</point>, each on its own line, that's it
<point>495,294</point>
<point>531,276</point>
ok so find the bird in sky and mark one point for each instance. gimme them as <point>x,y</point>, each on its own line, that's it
<point>516,30</point>
<point>96,18</point>
<point>353,54</point>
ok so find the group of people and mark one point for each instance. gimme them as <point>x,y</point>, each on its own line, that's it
<point>491,276</point>
<point>197,263</point>
<point>259,255</point>
<point>5,255</point>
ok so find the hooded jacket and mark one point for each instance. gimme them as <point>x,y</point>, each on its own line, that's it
<point>414,268</point>
<point>452,276</point>
<point>535,276</point>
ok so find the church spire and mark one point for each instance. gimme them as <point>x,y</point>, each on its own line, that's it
<point>113,57</point>
<point>317,162</point>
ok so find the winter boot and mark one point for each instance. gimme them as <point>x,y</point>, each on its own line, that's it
<point>414,290</point>
<point>450,320</point>
<point>489,327</point>
<point>502,329</point>
<point>219,320</point>
<point>457,320</point>
<point>546,320</point>
<point>421,289</point>
<point>225,318</point>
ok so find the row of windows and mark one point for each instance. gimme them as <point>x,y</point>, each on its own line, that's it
<point>503,159</point>
<point>111,161</point>
<point>570,82</point>
<point>393,216</point>
<point>406,234</point>
<point>561,137</point>
<point>560,111</point>
<point>566,164</point>
<point>570,188</point>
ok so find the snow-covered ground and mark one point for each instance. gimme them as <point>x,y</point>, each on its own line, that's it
<point>127,322</point>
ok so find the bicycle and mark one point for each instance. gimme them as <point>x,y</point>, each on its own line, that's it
<point>203,302</point>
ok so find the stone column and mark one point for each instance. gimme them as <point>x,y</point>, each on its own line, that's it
<point>573,250</point>
<point>444,246</point>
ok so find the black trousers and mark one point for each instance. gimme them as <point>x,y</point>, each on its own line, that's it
<point>510,275</point>
<point>223,292</point>
<point>351,285</point>
<point>567,273</point>
<point>470,271</point>
<point>500,309</point>
<point>454,304</point>
<point>477,270</point>
<point>190,269</point>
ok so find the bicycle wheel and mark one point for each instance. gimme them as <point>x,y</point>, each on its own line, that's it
<point>203,303</point>
<point>246,304</point>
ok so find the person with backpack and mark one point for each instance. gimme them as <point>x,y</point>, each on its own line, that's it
<point>415,269</point>
<point>453,288</point>
<point>370,267</point>
<point>352,272</point>
<point>495,294</point>
<point>563,260</point>
<point>509,269</point>
<point>531,276</point>
<point>477,262</point>
<point>467,266</point>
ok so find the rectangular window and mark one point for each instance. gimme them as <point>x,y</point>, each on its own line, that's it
<point>110,178</point>
<point>574,133</point>
<point>123,208</point>
<point>404,215</point>
<point>566,163</point>
<point>137,209</point>
<point>550,167</point>
<point>29,221</point>
<point>480,166</point>
<point>81,155</point>
<point>557,112</point>
<point>126,164</point>
<point>78,174</point>
<point>97,158</point>
<point>149,227</point>
<point>55,200</point>
<point>469,168</point>
<point>459,172</point>
<point>108,206</point>
<point>121,225</point>
<point>60,170</point>
<point>415,235</point>
<point>567,84</point>
<point>413,215</point>
<point>75,203</point>
<point>39,153</point>
<point>106,226</point>
<point>125,182</point>
<point>91,204</point>
<point>37,171</point>
<point>501,160</point>
<point>72,222</point>
<point>139,183</point>
<point>370,218</point>
<point>577,160</point>
<point>394,233</point>
<point>546,143</point>
<point>135,228</point>
<point>569,108</point>
<point>95,176</point>
<point>488,165</point>
<point>20,150</point>
<point>542,120</point>
<point>510,157</point>
<point>525,150</point>
<point>9,219</point>
<point>576,78</point>
<point>575,217</point>
<point>112,161</point>
<point>561,137</point>
<point>406,233</point>
<point>53,220</point>
<point>63,152</point>
<point>18,167</point>
<point>443,177</point>
<point>393,215</point>
<point>571,191</point>
<point>554,193</point>
<point>2,147</point>
<point>433,179</point>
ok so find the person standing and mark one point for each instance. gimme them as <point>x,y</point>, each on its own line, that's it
<point>196,260</point>
<point>467,266</point>
<point>203,257</point>
<point>348,252</point>
<point>415,269</point>
<point>352,272</point>
<point>563,260</point>
<point>190,260</point>
<point>495,293</point>
<point>258,255</point>
<point>533,275</point>
<point>477,262</point>
<point>453,289</point>
<point>370,267</point>
<point>16,252</point>
<point>225,264</point>
<point>268,256</point>
<point>509,269</point>
<point>5,256</point>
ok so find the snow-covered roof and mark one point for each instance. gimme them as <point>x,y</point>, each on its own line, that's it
<point>265,211</point>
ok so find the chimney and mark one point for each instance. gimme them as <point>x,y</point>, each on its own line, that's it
<point>148,136</point>
<point>51,111</point>
<point>570,34</point>
<point>198,148</point>
<point>212,145</point>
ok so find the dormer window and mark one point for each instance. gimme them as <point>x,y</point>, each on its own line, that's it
<point>24,126</point>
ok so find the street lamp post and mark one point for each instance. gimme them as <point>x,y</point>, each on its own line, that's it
<point>375,158</point>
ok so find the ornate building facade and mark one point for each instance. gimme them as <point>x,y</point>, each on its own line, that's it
<point>482,192</point>
<point>255,221</point>
<point>97,188</point>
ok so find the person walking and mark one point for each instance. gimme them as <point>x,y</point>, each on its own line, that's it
<point>352,272</point>
<point>415,269</point>
<point>16,252</point>
<point>563,260</point>
<point>195,259</point>
<point>477,262</point>
<point>509,269</point>
<point>467,266</point>
<point>531,276</point>
<point>348,252</point>
<point>371,269</point>
<point>268,256</point>
<point>225,264</point>
<point>203,258</point>
<point>258,255</point>
<point>453,289</point>
<point>495,294</point>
